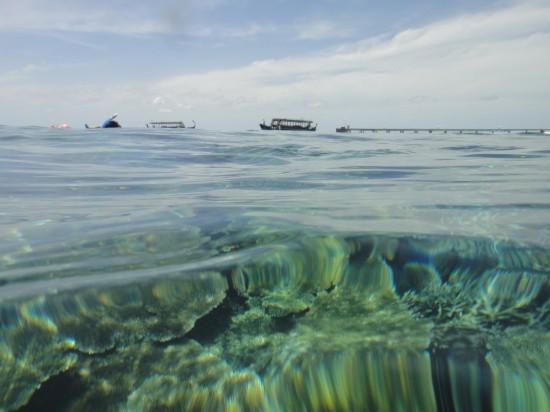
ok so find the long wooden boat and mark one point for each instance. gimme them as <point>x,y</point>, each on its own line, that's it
<point>171,125</point>
<point>289,124</point>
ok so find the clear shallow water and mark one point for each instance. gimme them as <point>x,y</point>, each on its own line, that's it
<point>157,269</point>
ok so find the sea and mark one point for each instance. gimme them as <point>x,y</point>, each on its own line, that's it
<point>186,269</point>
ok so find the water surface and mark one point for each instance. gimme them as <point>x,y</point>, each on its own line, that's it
<point>198,270</point>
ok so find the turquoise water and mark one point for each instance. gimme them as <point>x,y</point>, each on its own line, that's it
<point>195,270</point>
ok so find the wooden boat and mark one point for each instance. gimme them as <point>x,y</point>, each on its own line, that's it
<point>171,125</point>
<point>289,124</point>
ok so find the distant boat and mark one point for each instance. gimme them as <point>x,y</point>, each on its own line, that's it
<point>61,126</point>
<point>110,122</point>
<point>171,125</point>
<point>289,124</point>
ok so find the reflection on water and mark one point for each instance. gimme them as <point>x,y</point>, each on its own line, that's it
<point>374,322</point>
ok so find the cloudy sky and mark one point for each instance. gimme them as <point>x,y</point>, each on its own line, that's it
<point>229,64</point>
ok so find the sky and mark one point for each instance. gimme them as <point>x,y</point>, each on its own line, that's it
<point>230,64</point>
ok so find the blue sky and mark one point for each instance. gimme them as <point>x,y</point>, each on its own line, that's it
<point>229,64</point>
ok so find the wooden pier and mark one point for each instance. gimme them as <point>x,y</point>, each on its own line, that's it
<point>347,129</point>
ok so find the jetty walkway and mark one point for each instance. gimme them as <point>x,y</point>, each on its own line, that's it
<point>347,129</point>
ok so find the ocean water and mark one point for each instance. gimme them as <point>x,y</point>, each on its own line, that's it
<point>164,269</point>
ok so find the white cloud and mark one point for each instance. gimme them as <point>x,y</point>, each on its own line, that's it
<point>323,29</point>
<point>30,68</point>
<point>126,17</point>
<point>250,30</point>
<point>117,16</point>
<point>452,62</point>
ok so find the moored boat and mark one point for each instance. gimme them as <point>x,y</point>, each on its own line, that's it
<point>289,124</point>
<point>171,125</point>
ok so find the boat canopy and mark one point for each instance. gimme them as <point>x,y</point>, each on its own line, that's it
<point>290,122</point>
